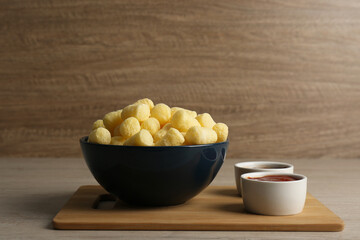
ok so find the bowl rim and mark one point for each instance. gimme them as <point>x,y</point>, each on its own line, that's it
<point>256,164</point>
<point>83,140</point>
<point>300,176</point>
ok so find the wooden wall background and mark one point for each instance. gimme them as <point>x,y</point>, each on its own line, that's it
<point>285,75</point>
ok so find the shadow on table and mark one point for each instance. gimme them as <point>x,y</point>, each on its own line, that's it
<point>226,192</point>
<point>234,208</point>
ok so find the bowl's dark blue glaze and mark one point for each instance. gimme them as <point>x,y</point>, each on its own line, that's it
<point>156,176</point>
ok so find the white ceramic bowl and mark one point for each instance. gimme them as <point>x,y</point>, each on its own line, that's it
<point>260,166</point>
<point>273,198</point>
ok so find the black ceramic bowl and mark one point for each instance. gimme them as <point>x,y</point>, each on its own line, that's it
<point>156,176</point>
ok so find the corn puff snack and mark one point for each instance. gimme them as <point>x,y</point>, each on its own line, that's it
<point>145,124</point>
<point>111,120</point>
<point>117,140</point>
<point>152,125</point>
<point>97,124</point>
<point>139,111</point>
<point>205,120</point>
<point>172,138</point>
<point>162,113</point>
<point>161,133</point>
<point>127,128</point>
<point>100,135</point>
<point>182,121</point>
<point>200,135</point>
<point>222,131</point>
<point>142,138</point>
<point>147,102</point>
<point>175,109</point>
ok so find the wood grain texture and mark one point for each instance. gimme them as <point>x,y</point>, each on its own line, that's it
<point>217,208</point>
<point>33,190</point>
<point>283,75</point>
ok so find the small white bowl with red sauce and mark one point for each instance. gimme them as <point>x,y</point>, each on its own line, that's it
<point>273,193</point>
<point>259,166</point>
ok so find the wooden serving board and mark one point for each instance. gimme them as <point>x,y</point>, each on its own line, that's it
<point>216,208</point>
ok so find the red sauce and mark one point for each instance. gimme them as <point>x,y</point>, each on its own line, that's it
<point>274,178</point>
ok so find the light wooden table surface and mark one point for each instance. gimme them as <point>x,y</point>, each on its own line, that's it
<point>33,190</point>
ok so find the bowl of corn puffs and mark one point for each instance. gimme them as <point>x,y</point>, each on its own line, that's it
<point>155,155</point>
